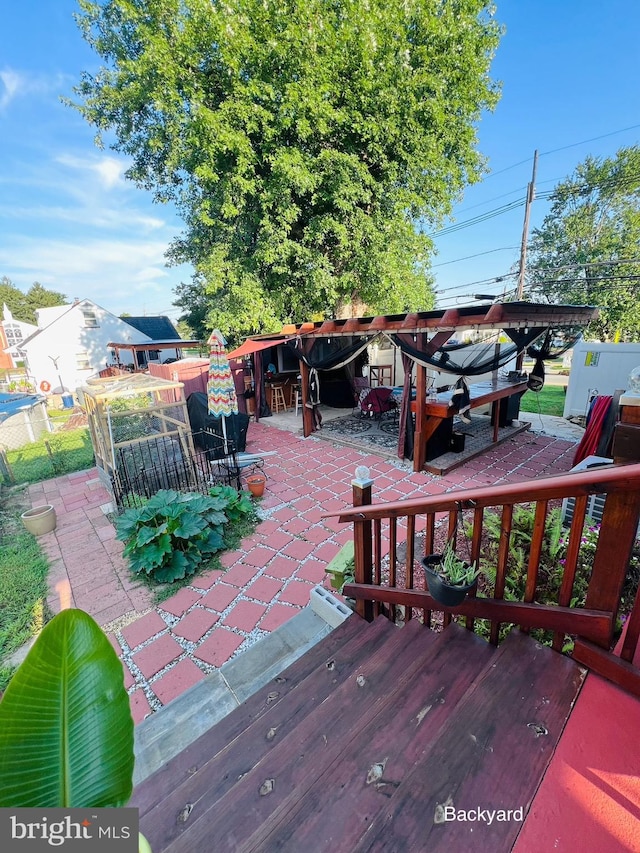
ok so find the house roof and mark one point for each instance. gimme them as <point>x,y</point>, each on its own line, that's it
<point>156,328</point>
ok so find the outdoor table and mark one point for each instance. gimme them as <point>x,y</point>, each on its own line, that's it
<point>480,393</point>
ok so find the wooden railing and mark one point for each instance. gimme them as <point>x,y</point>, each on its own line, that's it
<point>591,625</point>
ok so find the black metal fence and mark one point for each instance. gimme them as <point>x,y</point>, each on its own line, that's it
<point>172,462</point>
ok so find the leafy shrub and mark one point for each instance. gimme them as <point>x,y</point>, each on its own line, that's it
<point>173,533</point>
<point>552,561</point>
<point>237,504</point>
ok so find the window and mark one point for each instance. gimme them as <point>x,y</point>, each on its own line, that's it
<point>82,361</point>
<point>90,319</point>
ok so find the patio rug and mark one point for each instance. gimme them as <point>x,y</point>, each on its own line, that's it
<point>380,435</point>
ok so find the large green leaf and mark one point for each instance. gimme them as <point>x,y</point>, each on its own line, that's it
<point>66,732</point>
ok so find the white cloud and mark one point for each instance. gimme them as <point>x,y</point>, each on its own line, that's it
<point>16,84</point>
<point>11,84</point>
<point>121,275</point>
<point>110,171</point>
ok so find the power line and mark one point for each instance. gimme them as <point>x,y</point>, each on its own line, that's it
<point>563,148</point>
<point>477,255</point>
<point>476,220</point>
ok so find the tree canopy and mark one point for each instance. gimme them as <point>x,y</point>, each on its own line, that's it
<point>587,250</point>
<point>302,140</point>
<point>23,305</point>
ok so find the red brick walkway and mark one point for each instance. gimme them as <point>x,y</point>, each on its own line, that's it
<point>169,648</point>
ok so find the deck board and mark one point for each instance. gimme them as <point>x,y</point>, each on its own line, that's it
<point>270,783</point>
<point>492,754</point>
<point>183,766</point>
<point>340,805</point>
<point>235,747</point>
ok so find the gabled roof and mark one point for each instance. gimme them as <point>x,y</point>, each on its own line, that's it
<point>156,328</point>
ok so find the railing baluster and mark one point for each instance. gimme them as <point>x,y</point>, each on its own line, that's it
<point>535,552</point>
<point>571,562</point>
<point>377,560</point>
<point>429,533</point>
<point>429,536</point>
<point>452,527</point>
<point>393,561</point>
<point>501,568</point>
<point>411,533</point>
<point>476,542</point>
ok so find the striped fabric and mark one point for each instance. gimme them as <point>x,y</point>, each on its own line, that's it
<point>221,392</point>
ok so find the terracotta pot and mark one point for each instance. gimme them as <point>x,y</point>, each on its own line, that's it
<point>256,483</point>
<point>40,519</point>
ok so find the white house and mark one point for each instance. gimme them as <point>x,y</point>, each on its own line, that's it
<point>15,332</point>
<point>70,344</point>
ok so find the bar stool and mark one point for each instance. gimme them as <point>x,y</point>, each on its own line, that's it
<point>295,397</point>
<point>278,403</point>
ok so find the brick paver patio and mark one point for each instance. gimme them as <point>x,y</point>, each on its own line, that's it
<point>168,648</point>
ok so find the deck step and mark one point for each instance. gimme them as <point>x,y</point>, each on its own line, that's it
<point>338,806</point>
<point>168,777</point>
<point>271,767</point>
<point>216,761</point>
<point>491,754</point>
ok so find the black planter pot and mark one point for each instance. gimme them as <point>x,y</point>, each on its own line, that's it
<point>449,595</point>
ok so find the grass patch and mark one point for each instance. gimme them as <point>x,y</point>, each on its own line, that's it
<point>66,452</point>
<point>549,401</point>
<point>23,588</point>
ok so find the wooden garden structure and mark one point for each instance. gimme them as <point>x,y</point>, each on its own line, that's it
<point>132,410</point>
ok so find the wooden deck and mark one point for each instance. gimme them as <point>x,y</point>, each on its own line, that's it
<point>363,743</point>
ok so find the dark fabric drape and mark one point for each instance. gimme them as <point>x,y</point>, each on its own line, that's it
<point>325,354</point>
<point>555,343</point>
<point>262,407</point>
<point>329,353</point>
<point>460,358</point>
<point>405,426</point>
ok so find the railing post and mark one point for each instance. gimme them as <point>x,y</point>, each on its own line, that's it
<point>362,539</point>
<point>613,552</point>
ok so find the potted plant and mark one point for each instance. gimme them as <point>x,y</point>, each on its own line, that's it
<point>449,577</point>
<point>256,484</point>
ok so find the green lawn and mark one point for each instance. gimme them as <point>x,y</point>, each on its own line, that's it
<point>549,401</point>
<point>23,588</point>
<point>54,454</point>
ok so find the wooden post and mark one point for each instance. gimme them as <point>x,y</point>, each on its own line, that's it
<point>419,439</point>
<point>362,539</point>
<point>613,552</point>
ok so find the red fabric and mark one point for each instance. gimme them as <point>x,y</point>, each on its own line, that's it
<point>377,401</point>
<point>589,442</point>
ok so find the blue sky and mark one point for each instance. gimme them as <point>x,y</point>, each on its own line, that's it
<point>570,81</point>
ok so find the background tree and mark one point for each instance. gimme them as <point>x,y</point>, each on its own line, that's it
<point>301,141</point>
<point>23,305</point>
<point>587,251</point>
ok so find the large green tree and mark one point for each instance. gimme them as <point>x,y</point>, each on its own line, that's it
<point>587,251</point>
<point>23,305</point>
<point>302,140</point>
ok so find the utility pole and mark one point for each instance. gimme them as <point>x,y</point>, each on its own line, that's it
<point>531,192</point>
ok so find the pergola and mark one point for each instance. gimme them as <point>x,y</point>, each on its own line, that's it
<point>150,346</point>
<point>436,328</point>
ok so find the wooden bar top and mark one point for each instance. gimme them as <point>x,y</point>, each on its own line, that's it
<point>479,393</point>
